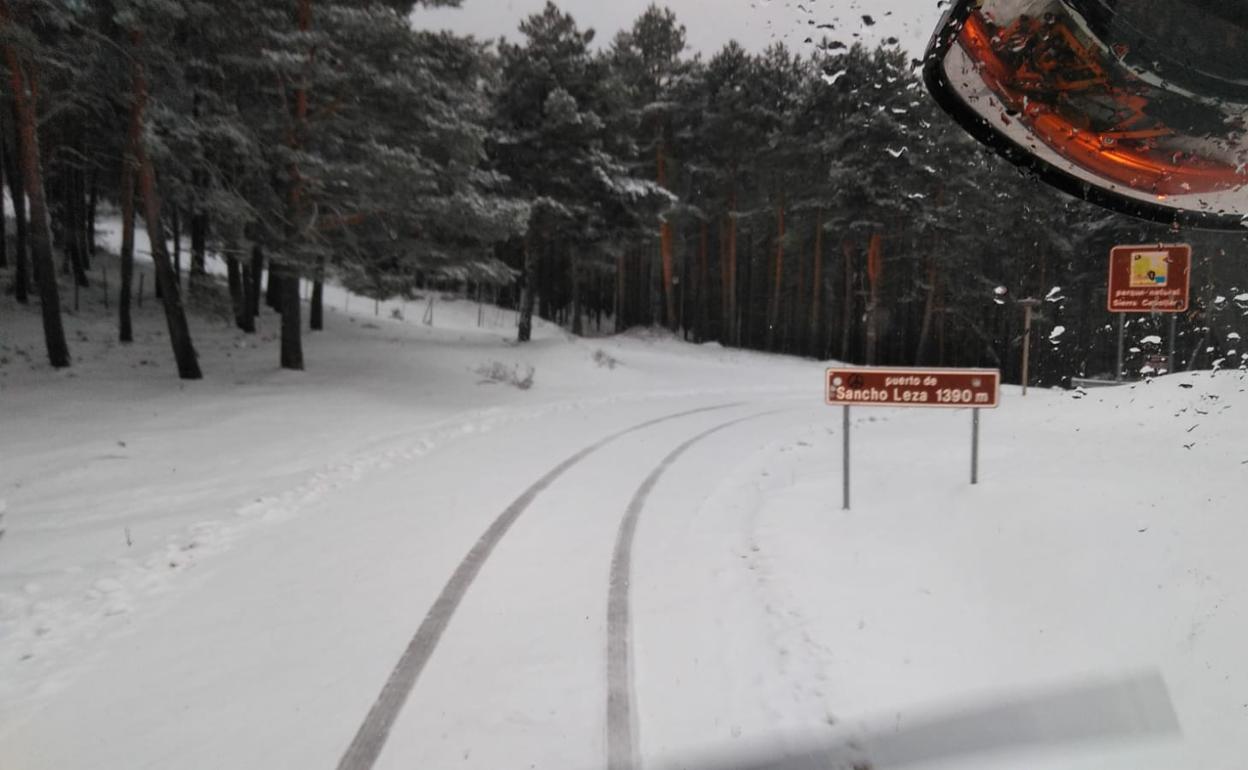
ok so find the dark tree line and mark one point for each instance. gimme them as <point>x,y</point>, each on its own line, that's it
<point>817,205</point>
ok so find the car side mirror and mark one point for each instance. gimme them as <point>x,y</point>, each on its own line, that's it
<point>1140,106</point>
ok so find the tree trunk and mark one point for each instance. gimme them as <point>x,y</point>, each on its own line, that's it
<point>704,274</point>
<point>125,327</point>
<point>578,325</point>
<point>27,108</point>
<point>255,285</point>
<point>199,252</point>
<point>875,259</point>
<point>175,217</point>
<point>292,327</point>
<point>873,337</point>
<point>619,292</point>
<point>665,241</point>
<point>847,317</point>
<point>272,291</point>
<point>682,292</point>
<point>4,235</point>
<point>199,217</point>
<point>728,268</point>
<point>80,229</point>
<point>645,310</point>
<point>92,207</point>
<point>721,261</point>
<point>21,253</point>
<point>541,283</point>
<point>773,314</point>
<point>238,299</point>
<point>666,238</point>
<point>317,311</point>
<point>816,289</point>
<point>734,325</point>
<point>76,219</point>
<point>794,313</point>
<point>175,315</point>
<point>527,297</point>
<point>287,295</point>
<point>929,309</point>
<point>245,319</point>
<point>745,320</point>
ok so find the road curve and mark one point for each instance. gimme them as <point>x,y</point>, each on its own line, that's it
<point>369,740</point>
<point>622,736</point>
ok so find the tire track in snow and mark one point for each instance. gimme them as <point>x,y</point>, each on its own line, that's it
<point>622,737</point>
<point>366,747</point>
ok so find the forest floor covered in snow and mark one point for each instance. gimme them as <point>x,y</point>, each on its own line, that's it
<point>224,573</point>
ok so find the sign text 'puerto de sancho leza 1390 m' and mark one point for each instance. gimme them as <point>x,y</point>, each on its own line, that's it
<point>940,388</point>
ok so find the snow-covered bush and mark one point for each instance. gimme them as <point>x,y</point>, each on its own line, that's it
<point>603,358</point>
<point>497,371</point>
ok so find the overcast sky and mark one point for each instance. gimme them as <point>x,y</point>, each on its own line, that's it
<point>711,23</point>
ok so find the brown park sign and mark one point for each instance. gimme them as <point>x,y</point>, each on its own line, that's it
<point>1150,279</point>
<point>941,388</point>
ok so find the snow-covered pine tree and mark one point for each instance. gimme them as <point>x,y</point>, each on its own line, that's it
<point>648,61</point>
<point>560,139</point>
<point>428,209</point>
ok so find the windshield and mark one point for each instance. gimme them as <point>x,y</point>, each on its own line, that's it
<point>673,384</point>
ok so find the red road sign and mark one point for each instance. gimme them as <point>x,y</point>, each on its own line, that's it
<point>1150,279</point>
<point>941,388</point>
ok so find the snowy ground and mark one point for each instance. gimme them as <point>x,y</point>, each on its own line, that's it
<point>225,573</point>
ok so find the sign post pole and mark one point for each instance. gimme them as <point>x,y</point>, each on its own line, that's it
<point>1122,342</point>
<point>1174,339</point>
<point>845,458</point>
<point>1026,347</point>
<point>974,446</point>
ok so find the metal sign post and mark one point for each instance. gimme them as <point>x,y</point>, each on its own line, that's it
<point>974,446</point>
<point>845,455</point>
<point>1122,341</point>
<point>972,389</point>
<point>1174,340</point>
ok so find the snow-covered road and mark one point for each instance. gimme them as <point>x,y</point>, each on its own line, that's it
<point>264,648</point>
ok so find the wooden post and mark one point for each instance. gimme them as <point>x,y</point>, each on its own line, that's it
<point>1028,306</point>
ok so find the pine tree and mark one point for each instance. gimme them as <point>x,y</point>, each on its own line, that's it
<point>145,24</point>
<point>27,55</point>
<point>561,140</point>
<point>648,63</point>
